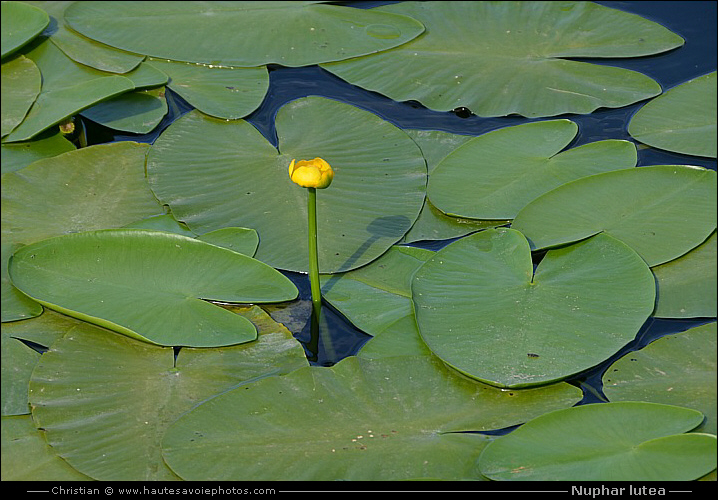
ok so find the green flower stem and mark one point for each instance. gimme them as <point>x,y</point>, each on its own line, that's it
<point>313,254</point>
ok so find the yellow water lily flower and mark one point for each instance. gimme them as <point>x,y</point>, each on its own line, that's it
<point>314,173</point>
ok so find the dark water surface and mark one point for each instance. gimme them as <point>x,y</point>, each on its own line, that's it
<point>694,21</point>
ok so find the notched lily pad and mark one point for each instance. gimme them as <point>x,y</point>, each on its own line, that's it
<point>604,442</point>
<point>214,174</point>
<point>482,309</point>
<point>664,210</point>
<point>682,120</point>
<point>495,175</point>
<point>117,436</point>
<point>678,369</point>
<point>390,419</point>
<point>20,24</point>
<point>148,284</point>
<point>242,34</point>
<point>496,58</point>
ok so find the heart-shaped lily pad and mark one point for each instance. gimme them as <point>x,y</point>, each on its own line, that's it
<point>228,93</point>
<point>213,174</point>
<point>495,175</point>
<point>682,120</point>
<point>377,296</point>
<point>481,308</point>
<point>390,419</point>
<point>115,435</point>
<point>20,24</point>
<point>687,286</point>
<point>242,33</point>
<point>432,223</point>
<point>26,455</point>
<point>677,369</point>
<point>604,442</point>
<point>91,188</point>
<point>496,58</point>
<point>21,83</point>
<point>19,359</point>
<point>148,284</point>
<point>661,211</point>
<point>67,87</point>
<point>17,155</point>
<point>80,48</point>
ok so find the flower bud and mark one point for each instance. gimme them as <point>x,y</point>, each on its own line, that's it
<point>314,173</point>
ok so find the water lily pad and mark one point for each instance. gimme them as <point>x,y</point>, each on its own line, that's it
<point>681,120</point>
<point>388,419</point>
<point>604,442</point>
<point>482,309</point>
<point>18,359</point>
<point>214,174</point>
<point>20,24</point>
<point>116,435</point>
<point>21,83</point>
<point>495,175</point>
<point>661,211</point>
<point>137,112</point>
<point>432,223</point>
<point>242,34</point>
<point>27,457</point>
<point>377,296</point>
<point>97,187</point>
<point>67,87</point>
<point>238,239</point>
<point>164,222</point>
<point>687,285</point>
<point>496,59</point>
<point>82,49</point>
<point>15,304</point>
<point>677,369</point>
<point>228,93</point>
<point>17,155</point>
<point>148,284</point>
<point>92,188</point>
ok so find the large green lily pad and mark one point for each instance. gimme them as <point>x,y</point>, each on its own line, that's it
<point>661,211</point>
<point>604,442</point>
<point>67,87</point>
<point>681,120</point>
<point>432,223</point>
<point>15,304</point>
<point>148,284</point>
<point>80,48</point>
<point>96,187</point>
<point>377,297</point>
<point>241,33</point>
<point>17,155</point>
<point>18,359</point>
<point>397,418</point>
<point>496,58</point>
<point>27,457</point>
<point>482,309</point>
<point>687,285</point>
<point>137,112</point>
<point>20,24</point>
<point>21,83</point>
<point>115,434</point>
<point>213,174</point>
<point>495,175</point>
<point>677,369</point>
<point>228,93</point>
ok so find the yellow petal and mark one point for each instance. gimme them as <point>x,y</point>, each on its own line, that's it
<point>315,173</point>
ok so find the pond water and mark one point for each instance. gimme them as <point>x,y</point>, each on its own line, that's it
<point>694,21</point>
